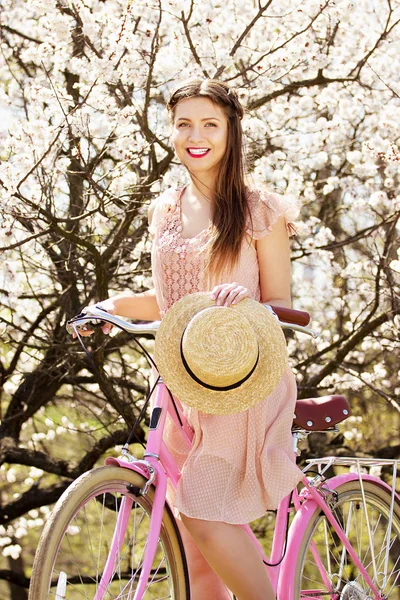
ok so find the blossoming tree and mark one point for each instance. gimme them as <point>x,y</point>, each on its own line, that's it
<point>84,148</point>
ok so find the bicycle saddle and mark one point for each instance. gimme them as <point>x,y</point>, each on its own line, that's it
<point>318,414</point>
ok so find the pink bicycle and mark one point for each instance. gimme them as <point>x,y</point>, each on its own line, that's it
<point>112,534</point>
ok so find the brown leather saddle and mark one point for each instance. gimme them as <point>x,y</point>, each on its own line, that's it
<point>314,414</point>
<point>319,414</point>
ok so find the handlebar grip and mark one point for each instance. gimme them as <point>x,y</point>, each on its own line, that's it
<point>289,315</point>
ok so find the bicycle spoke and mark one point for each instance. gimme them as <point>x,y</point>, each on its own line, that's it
<point>87,542</point>
<point>364,520</point>
<point>154,575</point>
<point>394,574</point>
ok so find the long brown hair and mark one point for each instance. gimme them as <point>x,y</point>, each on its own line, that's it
<point>230,206</point>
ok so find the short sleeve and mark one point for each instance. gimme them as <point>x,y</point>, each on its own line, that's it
<point>159,208</point>
<point>265,210</point>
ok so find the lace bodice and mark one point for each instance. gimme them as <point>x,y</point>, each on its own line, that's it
<point>178,263</point>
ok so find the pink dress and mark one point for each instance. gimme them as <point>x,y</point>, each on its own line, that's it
<point>240,465</point>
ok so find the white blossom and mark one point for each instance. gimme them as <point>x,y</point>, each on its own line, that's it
<point>13,550</point>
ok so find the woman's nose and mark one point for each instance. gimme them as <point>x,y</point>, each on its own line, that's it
<point>195,134</point>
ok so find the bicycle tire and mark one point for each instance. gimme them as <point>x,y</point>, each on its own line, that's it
<point>345,581</point>
<point>94,494</point>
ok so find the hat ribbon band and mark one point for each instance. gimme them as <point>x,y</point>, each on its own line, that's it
<point>217,388</point>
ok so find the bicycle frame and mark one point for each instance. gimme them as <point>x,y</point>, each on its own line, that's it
<point>158,465</point>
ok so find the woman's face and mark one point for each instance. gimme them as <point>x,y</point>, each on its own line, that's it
<point>200,134</point>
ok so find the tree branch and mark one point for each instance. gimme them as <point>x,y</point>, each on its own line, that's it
<point>20,34</point>
<point>249,27</point>
<point>14,578</point>
<point>185,22</point>
<point>294,86</point>
<point>33,498</point>
<point>368,327</point>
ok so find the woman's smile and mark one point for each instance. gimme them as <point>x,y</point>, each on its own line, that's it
<point>197,152</point>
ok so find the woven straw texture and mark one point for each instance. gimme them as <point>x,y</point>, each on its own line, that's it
<point>220,345</point>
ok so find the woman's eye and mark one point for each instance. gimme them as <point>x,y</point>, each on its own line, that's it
<point>180,125</point>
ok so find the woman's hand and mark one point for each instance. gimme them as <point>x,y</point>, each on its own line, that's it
<point>229,293</point>
<point>108,306</point>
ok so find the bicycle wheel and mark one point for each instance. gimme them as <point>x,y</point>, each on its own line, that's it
<point>75,543</point>
<point>336,575</point>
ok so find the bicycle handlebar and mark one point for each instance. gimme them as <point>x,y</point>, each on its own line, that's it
<point>96,317</point>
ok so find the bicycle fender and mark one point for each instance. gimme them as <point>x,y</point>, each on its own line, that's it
<point>298,528</point>
<point>345,477</point>
<point>124,464</point>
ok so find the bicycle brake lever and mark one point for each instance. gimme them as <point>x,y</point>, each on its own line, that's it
<point>74,322</point>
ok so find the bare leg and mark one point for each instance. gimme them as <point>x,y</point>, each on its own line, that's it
<point>204,582</point>
<point>233,557</point>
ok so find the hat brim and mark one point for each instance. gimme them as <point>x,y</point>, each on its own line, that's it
<point>266,376</point>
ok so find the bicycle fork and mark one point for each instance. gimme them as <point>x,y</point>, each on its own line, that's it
<point>116,544</point>
<point>122,523</point>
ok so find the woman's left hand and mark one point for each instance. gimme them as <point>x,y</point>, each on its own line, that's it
<point>229,293</point>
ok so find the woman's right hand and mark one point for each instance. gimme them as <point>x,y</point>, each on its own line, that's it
<point>107,305</point>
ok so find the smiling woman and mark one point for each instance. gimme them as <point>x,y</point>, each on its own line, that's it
<point>216,235</point>
<point>208,114</point>
<point>211,235</point>
<point>200,134</point>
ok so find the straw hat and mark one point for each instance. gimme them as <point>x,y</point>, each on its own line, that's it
<point>220,360</point>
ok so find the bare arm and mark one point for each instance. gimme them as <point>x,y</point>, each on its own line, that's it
<point>142,306</point>
<point>273,253</point>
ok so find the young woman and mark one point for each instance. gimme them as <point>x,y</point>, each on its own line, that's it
<point>215,234</point>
